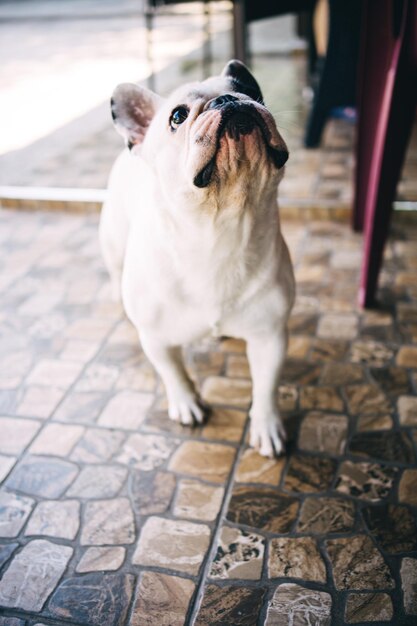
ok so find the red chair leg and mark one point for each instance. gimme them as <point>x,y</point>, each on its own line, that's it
<point>374,58</point>
<point>395,122</point>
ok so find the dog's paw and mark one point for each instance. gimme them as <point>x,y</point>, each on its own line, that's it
<point>188,410</point>
<point>267,434</point>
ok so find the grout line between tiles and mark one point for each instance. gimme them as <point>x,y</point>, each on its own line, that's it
<point>200,587</point>
<point>86,365</point>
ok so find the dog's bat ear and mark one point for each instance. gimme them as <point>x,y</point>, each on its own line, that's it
<point>133,108</point>
<point>242,80</point>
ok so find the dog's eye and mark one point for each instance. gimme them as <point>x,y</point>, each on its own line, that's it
<point>178,116</point>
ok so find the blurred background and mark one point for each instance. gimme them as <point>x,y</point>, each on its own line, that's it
<point>61,59</point>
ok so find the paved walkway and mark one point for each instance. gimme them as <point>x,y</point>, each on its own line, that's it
<point>111,515</point>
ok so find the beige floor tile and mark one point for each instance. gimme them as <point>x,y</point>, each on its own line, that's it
<point>225,424</point>
<point>108,522</point>
<point>126,410</point>
<point>6,464</point>
<point>208,461</point>
<point>56,439</point>
<point>39,401</point>
<point>225,391</point>
<point>55,519</point>
<point>16,433</point>
<point>53,372</point>
<point>198,501</point>
<point>407,356</point>
<point>161,598</point>
<point>181,545</point>
<point>101,559</point>
<point>407,490</point>
<point>254,468</point>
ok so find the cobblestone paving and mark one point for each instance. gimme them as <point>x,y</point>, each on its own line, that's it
<point>111,515</point>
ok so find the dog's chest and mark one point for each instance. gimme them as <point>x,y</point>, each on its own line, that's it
<point>211,293</point>
<point>189,279</point>
<point>184,296</point>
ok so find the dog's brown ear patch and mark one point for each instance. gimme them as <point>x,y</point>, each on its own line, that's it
<point>243,81</point>
<point>133,108</point>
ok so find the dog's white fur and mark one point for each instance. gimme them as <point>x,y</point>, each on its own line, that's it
<point>190,260</point>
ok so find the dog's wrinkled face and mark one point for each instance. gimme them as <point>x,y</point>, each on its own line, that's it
<point>206,135</point>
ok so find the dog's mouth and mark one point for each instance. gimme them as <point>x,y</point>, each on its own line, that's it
<point>237,120</point>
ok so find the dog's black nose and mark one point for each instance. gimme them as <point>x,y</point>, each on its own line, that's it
<point>220,101</point>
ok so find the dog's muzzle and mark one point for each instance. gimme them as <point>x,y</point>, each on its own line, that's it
<point>238,119</point>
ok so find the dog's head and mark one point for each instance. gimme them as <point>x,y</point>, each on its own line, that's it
<point>206,136</point>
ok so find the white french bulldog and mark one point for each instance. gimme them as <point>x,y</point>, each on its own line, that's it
<point>190,234</point>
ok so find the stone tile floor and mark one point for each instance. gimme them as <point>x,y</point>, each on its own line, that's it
<point>112,515</point>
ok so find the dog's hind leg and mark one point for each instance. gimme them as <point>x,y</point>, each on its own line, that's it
<point>266,355</point>
<point>184,404</point>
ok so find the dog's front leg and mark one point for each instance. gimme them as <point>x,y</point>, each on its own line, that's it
<point>183,403</point>
<point>266,355</point>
